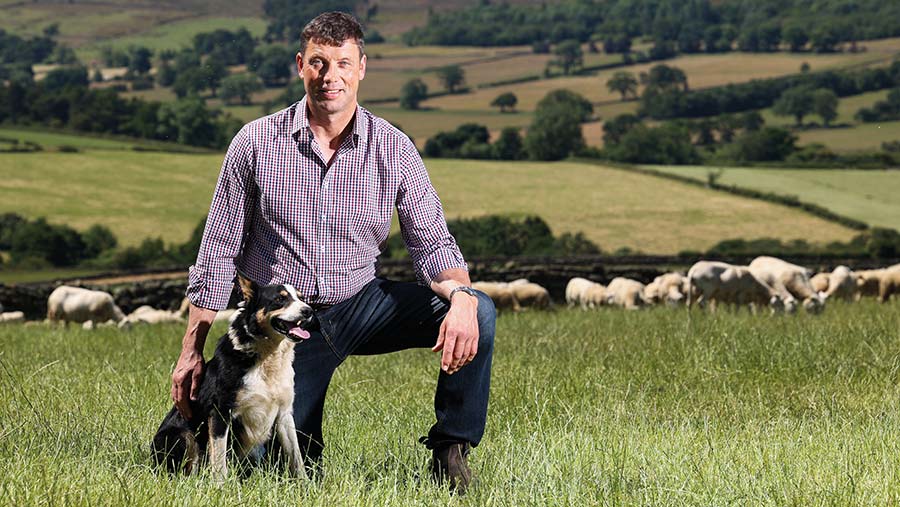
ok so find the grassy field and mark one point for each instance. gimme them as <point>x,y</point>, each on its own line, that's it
<point>587,408</point>
<point>867,195</point>
<point>54,140</point>
<point>140,195</point>
<point>861,137</point>
<point>702,71</point>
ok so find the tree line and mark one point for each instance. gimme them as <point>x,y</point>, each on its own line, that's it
<point>685,26</point>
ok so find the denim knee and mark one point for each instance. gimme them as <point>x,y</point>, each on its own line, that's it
<point>487,319</point>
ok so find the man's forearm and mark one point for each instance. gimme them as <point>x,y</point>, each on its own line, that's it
<point>449,279</point>
<point>199,322</point>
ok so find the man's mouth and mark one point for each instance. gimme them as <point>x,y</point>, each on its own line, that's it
<point>330,94</point>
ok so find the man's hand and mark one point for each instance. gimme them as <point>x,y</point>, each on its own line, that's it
<point>458,336</point>
<point>186,380</point>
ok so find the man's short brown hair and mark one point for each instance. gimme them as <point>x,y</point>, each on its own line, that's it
<point>333,28</point>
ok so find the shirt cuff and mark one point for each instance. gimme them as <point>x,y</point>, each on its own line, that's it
<point>206,293</point>
<point>437,261</point>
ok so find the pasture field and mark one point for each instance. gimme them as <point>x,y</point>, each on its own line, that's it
<point>587,408</point>
<point>141,195</point>
<point>54,140</point>
<point>866,195</point>
<point>847,108</point>
<point>860,137</point>
<point>702,71</point>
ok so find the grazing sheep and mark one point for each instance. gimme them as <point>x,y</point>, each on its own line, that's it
<point>148,315</point>
<point>575,291</point>
<point>12,317</point>
<point>793,278</point>
<point>889,283</point>
<point>530,295</point>
<point>668,288</point>
<point>868,282</point>
<point>721,283</point>
<point>500,293</point>
<point>820,282</point>
<point>841,284</point>
<point>74,304</point>
<point>624,292</point>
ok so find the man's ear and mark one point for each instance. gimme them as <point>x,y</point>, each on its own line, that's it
<point>247,285</point>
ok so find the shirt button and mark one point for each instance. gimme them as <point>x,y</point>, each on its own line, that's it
<point>323,217</point>
<point>325,185</point>
<point>322,248</point>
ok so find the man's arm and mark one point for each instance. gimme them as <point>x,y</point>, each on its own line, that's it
<point>458,336</point>
<point>211,278</point>
<point>437,261</point>
<point>189,368</point>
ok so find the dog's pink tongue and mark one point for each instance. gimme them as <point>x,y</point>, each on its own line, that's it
<point>299,332</point>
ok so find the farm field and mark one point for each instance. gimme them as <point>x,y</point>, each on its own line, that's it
<point>55,140</point>
<point>141,195</point>
<point>702,71</point>
<point>866,195</point>
<point>587,408</point>
<point>861,137</point>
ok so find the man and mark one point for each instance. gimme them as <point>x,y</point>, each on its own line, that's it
<point>306,196</point>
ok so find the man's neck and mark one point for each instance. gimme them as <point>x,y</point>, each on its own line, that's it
<point>330,128</point>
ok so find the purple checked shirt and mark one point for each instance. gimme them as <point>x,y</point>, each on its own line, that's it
<point>281,214</point>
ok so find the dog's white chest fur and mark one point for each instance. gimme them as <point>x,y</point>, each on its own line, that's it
<point>268,390</point>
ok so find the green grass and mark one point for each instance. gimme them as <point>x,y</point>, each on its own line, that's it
<point>866,195</point>
<point>43,275</point>
<point>861,137</point>
<point>140,195</point>
<point>49,139</point>
<point>587,408</point>
<point>174,35</point>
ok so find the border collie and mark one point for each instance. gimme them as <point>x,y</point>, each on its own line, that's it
<point>247,388</point>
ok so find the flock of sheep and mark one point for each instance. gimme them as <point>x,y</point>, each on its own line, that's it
<point>765,282</point>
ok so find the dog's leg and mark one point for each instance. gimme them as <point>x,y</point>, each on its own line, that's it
<point>218,445</point>
<point>287,437</point>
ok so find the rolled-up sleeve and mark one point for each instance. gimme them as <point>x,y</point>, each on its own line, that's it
<point>211,278</point>
<point>422,224</point>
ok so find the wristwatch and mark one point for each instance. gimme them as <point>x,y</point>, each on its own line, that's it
<point>462,288</point>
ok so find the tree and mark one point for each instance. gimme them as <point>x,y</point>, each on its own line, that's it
<point>505,101</point>
<point>189,82</point>
<point>824,38</point>
<point>796,102</point>
<point>665,77</point>
<point>509,145</point>
<point>614,129</point>
<point>139,60</point>
<point>569,55</point>
<point>213,73</point>
<point>766,144</point>
<point>825,103</point>
<point>187,121</point>
<point>413,93</point>
<point>165,74</point>
<point>65,77</point>
<point>667,144</point>
<point>796,37</point>
<point>451,76</point>
<point>240,87</point>
<point>580,106</point>
<point>97,239</point>
<point>555,133</point>
<point>273,64</point>
<point>624,83</point>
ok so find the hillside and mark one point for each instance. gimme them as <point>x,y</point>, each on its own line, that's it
<point>140,195</point>
<point>866,195</point>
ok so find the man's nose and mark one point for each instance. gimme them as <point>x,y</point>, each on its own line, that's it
<point>330,73</point>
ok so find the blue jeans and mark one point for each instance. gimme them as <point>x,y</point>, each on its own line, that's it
<point>387,316</point>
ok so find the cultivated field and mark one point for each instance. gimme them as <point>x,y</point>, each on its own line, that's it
<point>140,195</point>
<point>866,195</point>
<point>587,408</point>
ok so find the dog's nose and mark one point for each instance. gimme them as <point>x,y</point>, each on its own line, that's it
<point>306,313</point>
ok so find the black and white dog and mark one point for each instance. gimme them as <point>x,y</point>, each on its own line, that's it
<point>247,389</point>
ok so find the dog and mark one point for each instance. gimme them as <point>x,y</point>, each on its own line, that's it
<point>247,388</point>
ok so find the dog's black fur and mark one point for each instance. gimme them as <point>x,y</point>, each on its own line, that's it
<point>255,335</point>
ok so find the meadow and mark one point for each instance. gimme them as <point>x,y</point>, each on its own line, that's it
<point>587,408</point>
<point>141,195</point>
<point>866,195</point>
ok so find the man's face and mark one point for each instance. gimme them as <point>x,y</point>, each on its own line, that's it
<point>331,75</point>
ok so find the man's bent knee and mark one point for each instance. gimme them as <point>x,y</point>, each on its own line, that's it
<point>487,319</point>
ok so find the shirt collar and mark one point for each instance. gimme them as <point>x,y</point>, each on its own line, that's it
<point>301,122</point>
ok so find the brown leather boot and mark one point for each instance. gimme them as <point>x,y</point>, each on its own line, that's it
<point>449,464</point>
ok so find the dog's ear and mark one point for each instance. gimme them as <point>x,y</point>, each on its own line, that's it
<point>247,285</point>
